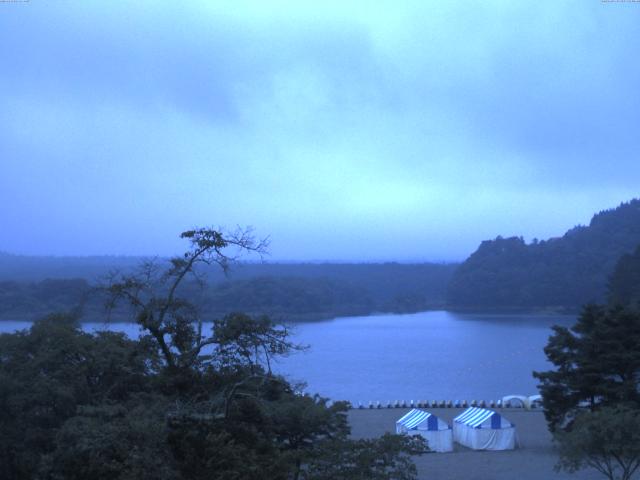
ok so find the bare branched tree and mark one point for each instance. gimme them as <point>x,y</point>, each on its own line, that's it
<point>152,291</point>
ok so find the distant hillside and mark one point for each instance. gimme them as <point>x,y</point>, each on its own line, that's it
<point>24,268</point>
<point>33,286</point>
<point>562,273</point>
<point>624,284</point>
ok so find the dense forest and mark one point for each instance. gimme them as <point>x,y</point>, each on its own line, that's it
<point>32,286</point>
<point>624,284</point>
<point>560,273</point>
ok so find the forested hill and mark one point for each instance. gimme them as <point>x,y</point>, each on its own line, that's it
<point>562,273</point>
<point>34,286</point>
<point>624,284</point>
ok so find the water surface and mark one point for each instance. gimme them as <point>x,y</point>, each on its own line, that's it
<point>422,356</point>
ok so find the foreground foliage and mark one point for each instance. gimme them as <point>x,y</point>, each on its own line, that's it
<point>607,440</point>
<point>592,398</point>
<point>179,403</point>
<point>78,406</point>
<point>365,459</point>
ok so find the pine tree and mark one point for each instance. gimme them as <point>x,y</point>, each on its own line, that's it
<point>597,364</point>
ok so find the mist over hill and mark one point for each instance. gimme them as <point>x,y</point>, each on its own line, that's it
<point>559,273</point>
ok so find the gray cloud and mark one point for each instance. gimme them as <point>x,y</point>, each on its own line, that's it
<point>438,123</point>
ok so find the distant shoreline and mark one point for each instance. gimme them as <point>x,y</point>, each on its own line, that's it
<point>321,317</point>
<point>538,311</point>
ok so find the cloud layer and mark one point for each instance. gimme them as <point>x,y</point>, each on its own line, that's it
<point>343,131</point>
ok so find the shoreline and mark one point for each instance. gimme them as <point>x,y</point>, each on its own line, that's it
<point>320,317</point>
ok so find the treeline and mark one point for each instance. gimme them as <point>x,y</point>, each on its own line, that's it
<point>624,284</point>
<point>29,269</point>
<point>560,273</point>
<point>296,292</point>
<point>27,301</point>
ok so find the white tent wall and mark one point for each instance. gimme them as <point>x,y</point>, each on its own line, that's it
<point>440,441</point>
<point>485,438</point>
<point>482,429</point>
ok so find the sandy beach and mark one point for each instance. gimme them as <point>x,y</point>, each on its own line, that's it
<point>534,460</point>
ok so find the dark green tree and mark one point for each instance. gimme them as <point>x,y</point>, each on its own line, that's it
<point>125,441</point>
<point>597,363</point>
<point>48,374</point>
<point>302,422</point>
<point>384,458</point>
<point>607,440</point>
<point>624,283</point>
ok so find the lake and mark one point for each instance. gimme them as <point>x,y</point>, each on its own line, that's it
<point>423,356</point>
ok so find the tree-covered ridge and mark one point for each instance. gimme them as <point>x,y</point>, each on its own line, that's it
<point>624,284</point>
<point>563,272</point>
<point>284,291</point>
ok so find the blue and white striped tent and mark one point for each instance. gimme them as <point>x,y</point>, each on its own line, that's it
<point>483,429</point>
<point>436,432</point>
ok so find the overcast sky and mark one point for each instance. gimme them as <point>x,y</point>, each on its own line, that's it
<point>343,130</point>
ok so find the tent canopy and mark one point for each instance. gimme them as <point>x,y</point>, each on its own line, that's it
<point>417,419</point>
<point>476,417</point>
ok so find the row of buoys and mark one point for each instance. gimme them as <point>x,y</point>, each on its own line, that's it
<point>432,404</point>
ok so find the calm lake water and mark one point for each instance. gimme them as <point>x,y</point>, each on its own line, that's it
<point>422,356</point>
